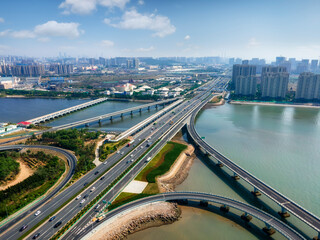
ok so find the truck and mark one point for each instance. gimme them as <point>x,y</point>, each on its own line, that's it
<point>130,143</point>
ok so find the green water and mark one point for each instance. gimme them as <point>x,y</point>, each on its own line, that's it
<point>279,145</point>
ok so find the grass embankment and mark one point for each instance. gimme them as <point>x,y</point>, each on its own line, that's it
<point>158,166</point>
<point>49,170</point>
<point>108,148</point>
<point>216,99</point>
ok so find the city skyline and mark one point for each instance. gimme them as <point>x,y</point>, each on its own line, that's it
<point>112,28</point>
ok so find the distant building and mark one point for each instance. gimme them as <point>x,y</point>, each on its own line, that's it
<point>308,86</point>
<point>136,63</point>
<point>129,64</point>
<point>274,82</point>
<point>61,69</point>
<point>314,65</point>
<point>33,80</point>
<point>27,70</point>
<point>8,82</point>
<point>246,85</point>
<point>241,70</point>
<point>280,60</point>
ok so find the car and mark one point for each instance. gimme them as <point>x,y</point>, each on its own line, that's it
<point>131,155</point>
<point>85,196</point>
<point>78,197</point>
<point>37,213</point>
<point>23,227</point>
<point>52,218</point>
<point>82,201</point>
<point>86,183</point>
<point>118,152</point>
<point>141,147</point>
<point>96,172</point>
<point>122,153</point>
<point>131,160</point>
<point>105,162</point>
<point>97,206</point>
<point>139,139</point>
<point>36,236</point>
<point>92,189</point>
<point>102,178</point>
<point>57,224</point>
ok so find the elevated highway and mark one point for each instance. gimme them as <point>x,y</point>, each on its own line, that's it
<point>269,220</point>
<point>65,111</point>
<point>72,161</point>
<point>284,202</point>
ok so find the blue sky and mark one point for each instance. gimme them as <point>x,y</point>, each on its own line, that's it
<point>108,28</point>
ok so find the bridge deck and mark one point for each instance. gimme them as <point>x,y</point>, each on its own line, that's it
<point>303,214</point>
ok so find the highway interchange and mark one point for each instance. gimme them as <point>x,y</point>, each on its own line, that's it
<point>103,175</point>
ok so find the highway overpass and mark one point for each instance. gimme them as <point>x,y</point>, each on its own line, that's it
<point>72,161</point>
<point>269,220</point>
<point>284,202</point>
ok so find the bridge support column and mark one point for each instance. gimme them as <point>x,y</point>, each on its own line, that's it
<point>111,119</point>
<point>235,176</point>
<point>156,106</point>
<point>224,208</point>
<point>87,124</point>
<point>245,217</point>
<point>149,108</point>
<point>219,164</point>
<point>283,213</point>
<point>121,115</point>
<point>255,192</point>
<point>268,230</point>
<point>131,113</point>
<point>140,110</point>
<point>203,204</point>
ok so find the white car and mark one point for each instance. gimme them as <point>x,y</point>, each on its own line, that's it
<point>141,147</point>
<point>82,201</point>
<point>92,189</point>
<point>37,213</point>
<point>78,197</point>
<point>105,162</point>
<point>118,152</point>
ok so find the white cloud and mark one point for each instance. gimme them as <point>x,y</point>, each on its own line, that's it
<point>253,43</point>
<point>187,37</point>
<point>140,2</point>
<point>161,25</point>
<point>43,39</point>
<point>1,20</point>
<point>88,6</point>
<point>55,29</point>
<point>149,49</point>
<point>107,43</point>
<point>46,30</point>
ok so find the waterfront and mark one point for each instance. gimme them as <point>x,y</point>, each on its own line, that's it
<point>279,145</point>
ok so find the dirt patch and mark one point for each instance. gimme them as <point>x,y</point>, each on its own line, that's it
<point>146,216</point>
<point>178,171</point>
<point>24,173</point>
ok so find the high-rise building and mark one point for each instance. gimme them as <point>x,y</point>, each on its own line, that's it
<point>314,65</point>
<point>245,62</point>
<point>280,60</point>
<point>246,85</point>
<point>308,86</point>
<point>129,63</point>
<point>274,82</point>
<point>136,63</point>
<point>239,74</point>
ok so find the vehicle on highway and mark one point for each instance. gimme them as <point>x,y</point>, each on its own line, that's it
<point>78,197</point>
<point>85,196</point>
<point>37,213</point>
<point>118,152</point>
<point>122,153</point>
<point>85,183</point>
<point>57,224</point>
<point>105,162</point>
<point>96,172</point>
<point>131,160</point>
<point>82,201</point>
<point>36,236</point>
<point>102,178</point>
<point>92,189</point>
<point>148,159</point>
<point>23,227</point>
<point>130,143</point>
<point>97,206</point>
<point>52,218</point>
<point>141,147</point>
<point>131,155</point>
<point>139,139</point>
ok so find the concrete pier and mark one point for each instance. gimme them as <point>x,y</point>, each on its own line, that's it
<point>256,193</point>
<point>224,208</point>
<point>284,213</point>
<point>203,203</point>
<point>235,177</point>
<point>268,230</point>
<point>245,217</point>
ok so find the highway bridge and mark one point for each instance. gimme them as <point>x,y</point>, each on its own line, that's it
<point>204,198</point>
<point>284,202</point>
<point>111,116</point>
<point>60,113</point>
<point>72,161</point>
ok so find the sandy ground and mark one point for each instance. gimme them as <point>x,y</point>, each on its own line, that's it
<point>150,215</point>
<point>99,144</point>
<point>135,186</point>
<point>24,173</point>
<point>178,171</point>
<point>275,104</point>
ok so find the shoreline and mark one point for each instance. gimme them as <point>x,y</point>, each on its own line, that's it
<point>273,104</point>
<point>154,214</point>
